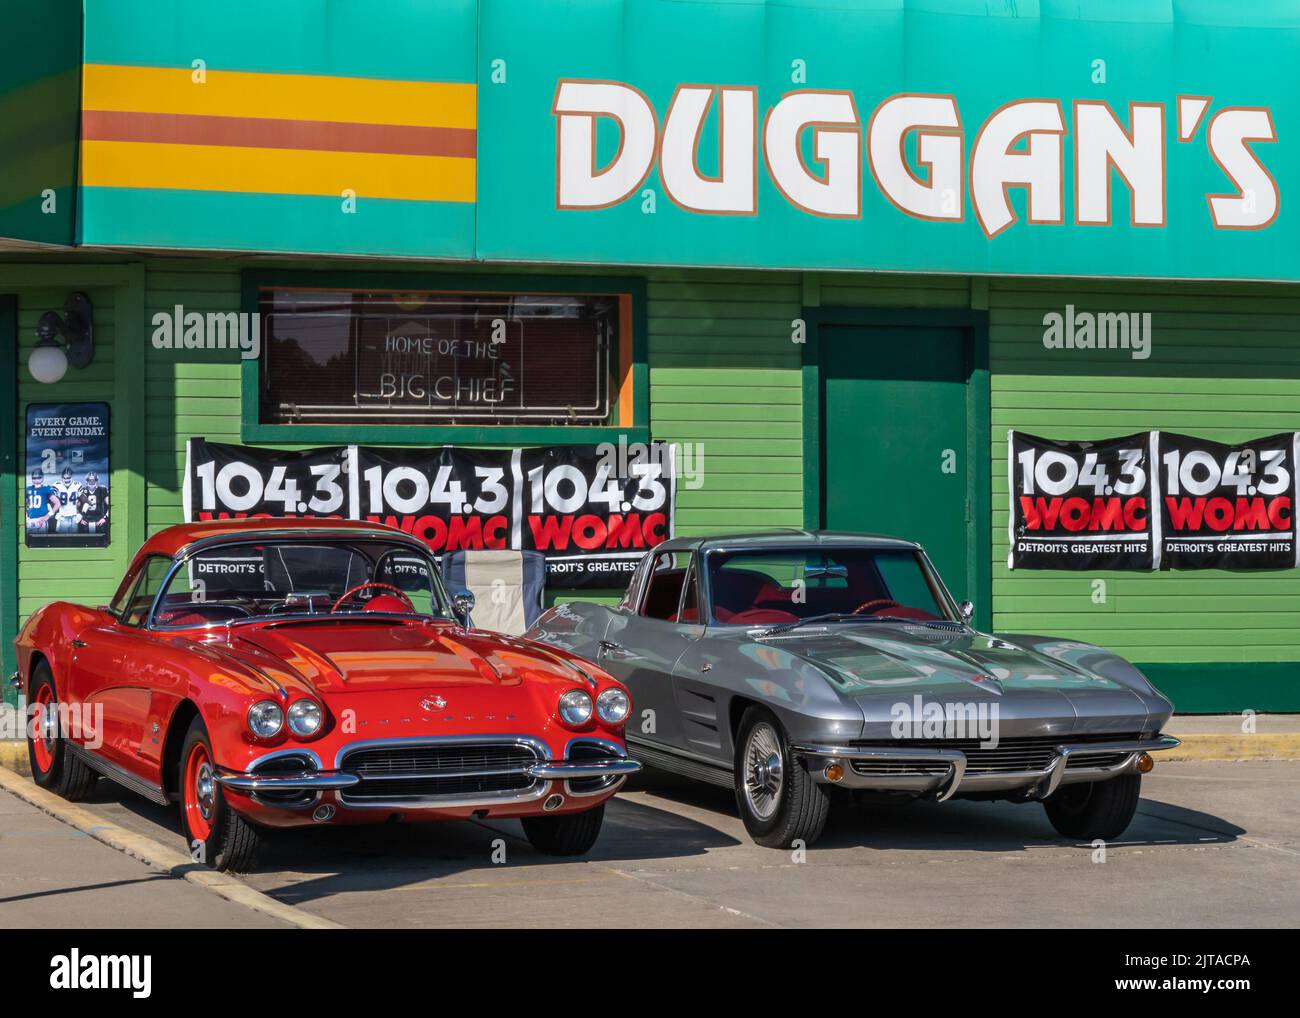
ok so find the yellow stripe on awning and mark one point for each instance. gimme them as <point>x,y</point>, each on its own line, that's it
<point>276,171</point>
<point>282,96</point>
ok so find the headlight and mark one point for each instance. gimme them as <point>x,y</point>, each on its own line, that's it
<point>304,717</point>
<point>265,718</point>
<point>613,705</point>
<point>575,707</point>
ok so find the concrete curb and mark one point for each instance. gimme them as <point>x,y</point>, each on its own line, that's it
<point>151,852</point>
<point>1216,747</point>
<point>13,755</point>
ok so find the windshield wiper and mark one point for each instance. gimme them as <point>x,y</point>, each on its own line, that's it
<point>785,627</point>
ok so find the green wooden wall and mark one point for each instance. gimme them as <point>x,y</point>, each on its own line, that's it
<point>724,372</point>
<point>1224,365</point>
<point>82,574</point>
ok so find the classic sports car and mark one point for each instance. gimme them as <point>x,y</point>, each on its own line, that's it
<point>789,664</point>
<point>284,673</point>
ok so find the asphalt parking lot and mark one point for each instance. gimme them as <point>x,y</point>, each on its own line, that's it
<point>1214,844</point>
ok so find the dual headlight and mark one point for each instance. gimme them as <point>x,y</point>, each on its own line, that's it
<point>265,718</point>
<point>611,706</point>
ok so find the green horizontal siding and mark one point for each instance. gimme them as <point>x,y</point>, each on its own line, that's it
<point>725,374</point>
<point>82,575</point>
<point>1224,365</point>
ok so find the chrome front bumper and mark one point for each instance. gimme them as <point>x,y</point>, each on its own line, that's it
<point>954,777</point>
<point>251,783</point>
<point>562,770</point>
<point>300,781</point>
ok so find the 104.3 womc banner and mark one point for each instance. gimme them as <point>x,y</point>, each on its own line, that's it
<point>1154,500</point>
<point>591,510</point>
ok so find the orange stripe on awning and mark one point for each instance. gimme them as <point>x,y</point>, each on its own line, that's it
<point>276,171</point>
<point>262,132</point>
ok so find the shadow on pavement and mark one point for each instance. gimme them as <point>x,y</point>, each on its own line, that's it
<point>957,826</point>
<point>323,860</point>
<point>305,864</point>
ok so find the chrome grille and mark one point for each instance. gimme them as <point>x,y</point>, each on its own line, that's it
<point>429,772</point>
<point>586,751</point>
<point>289,763</point>
<point>1007,757</point>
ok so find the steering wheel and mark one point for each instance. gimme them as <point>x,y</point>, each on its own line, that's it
<point>379,586</point>
<point>874,604</point>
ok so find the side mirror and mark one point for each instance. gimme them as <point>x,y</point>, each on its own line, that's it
<point>462,603</point>
<point>966,610</point>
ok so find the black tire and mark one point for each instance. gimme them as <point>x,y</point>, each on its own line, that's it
<point>66,775</point>
<point>799,807</point>
<point>231,842</point>
<point>567,834</point>
<point>1097,809</point>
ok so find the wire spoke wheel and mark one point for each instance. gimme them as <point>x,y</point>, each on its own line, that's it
<point>764,771</point>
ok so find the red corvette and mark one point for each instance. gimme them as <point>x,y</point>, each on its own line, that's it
<point>293,672</point>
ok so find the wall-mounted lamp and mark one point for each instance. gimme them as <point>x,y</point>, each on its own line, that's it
<point>49,361</point>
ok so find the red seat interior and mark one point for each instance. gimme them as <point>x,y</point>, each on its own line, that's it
<point>387,603</point>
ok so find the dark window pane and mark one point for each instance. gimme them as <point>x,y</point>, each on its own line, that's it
<point>392,358</point>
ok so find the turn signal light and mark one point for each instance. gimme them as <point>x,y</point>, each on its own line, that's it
<point>834,772</point>
<point>1145,763</point>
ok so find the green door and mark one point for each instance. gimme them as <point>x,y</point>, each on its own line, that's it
<point>895,439</point>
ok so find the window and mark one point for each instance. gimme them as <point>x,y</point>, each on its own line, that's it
<point>231,583</point>
<point>778,586</point>
<point>664,592</point>
<point>442,357</point>
<point>135,611</point>
<point>690,610</point>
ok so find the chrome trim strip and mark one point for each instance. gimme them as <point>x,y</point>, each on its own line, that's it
<point>186,552</point>
<point>659,747</point>
<point>310,754</point>
<point>1045,782</point>
<point>618,751</point>
<point>539,788</point>
<point>114,772</point>
<point>426,775</point>
<point>595,769</point>
<point>539,748</point>
<point>304,780</point>
<point>1056,771</point>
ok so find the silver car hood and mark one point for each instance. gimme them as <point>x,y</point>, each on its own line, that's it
<point>1041,686</point>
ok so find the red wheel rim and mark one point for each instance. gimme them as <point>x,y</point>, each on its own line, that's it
<point>199,793</point>
<point>42,741</point>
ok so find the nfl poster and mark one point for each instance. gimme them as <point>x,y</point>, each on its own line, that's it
<point>67,501</point>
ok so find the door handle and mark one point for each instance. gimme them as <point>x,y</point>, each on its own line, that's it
<point>611,649</point>
<point>79,643</point>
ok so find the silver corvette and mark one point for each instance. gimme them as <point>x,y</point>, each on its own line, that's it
<point>788,665</point>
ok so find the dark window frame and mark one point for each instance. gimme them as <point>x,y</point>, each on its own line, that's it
<point>632,421</point>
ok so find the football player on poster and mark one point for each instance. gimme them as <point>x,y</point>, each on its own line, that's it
<point>68,489</point>
<point>92,506</point>
<point>42,505</point>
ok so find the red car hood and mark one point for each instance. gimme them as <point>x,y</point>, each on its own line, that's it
<point>381,655</point>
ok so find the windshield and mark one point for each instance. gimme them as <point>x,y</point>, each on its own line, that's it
<point>777,587</point>
<point>251,580</point>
